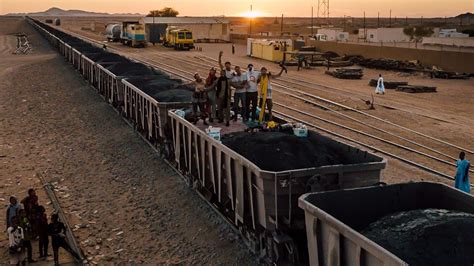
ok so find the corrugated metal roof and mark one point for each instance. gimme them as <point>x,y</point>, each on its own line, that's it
<point>185,20</point>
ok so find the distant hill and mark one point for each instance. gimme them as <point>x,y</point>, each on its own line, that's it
<point>465,15</point>
<point>58,12</point>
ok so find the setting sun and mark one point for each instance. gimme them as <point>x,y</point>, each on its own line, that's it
<point>251,14</point>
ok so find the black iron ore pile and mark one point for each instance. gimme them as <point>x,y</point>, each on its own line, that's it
<point>130,69</point>
<point>279,151</point>
<point>164,89</point>
<point>427,236</point>
<point>153,82</point>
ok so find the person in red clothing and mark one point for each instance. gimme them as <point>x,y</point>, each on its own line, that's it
<point>29,201</point>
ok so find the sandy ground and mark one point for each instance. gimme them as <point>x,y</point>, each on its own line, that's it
<point>17,172</point>
<point>128,205</point>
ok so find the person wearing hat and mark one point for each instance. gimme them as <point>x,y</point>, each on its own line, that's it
<point>251,93</point>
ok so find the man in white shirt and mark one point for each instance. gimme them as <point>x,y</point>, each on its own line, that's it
<point>15,238</point>
<point>251,94</point>
<point>239,82</point>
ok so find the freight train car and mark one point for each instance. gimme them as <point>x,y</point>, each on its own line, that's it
<point>403,224</point>
<point>259,201</point>
<point>133,34</point>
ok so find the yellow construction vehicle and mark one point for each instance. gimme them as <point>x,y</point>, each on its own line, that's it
<point>179,39</point>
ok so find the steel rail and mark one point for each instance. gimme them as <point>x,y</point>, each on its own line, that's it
<point>425,168</point>
<point>361,122</point>
<point>365,124</point>
<point>348,128</point>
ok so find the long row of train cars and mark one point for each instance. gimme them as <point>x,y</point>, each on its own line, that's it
<point>262,204</point>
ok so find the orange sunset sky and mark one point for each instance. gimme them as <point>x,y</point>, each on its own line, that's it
<point>400,8</point>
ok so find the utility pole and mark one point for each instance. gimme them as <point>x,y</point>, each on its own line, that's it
<point>312,22</point>
<point>344,24</point>
<point>281,29</point>
<point>250,21</point>
<point>365,30</point>
<point>378,20</point>
<point>390,19</point>
<point>324,5</point>
<point>153,31</point>
<point>317,16</point>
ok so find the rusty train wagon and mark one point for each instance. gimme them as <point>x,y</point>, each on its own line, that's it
<point>261,204</point>
<point>335,219</point>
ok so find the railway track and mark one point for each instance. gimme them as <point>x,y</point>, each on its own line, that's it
<point>173,69</point>
<point>320,103</point>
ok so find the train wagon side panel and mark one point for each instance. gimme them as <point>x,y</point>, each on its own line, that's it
<point>334,218</point>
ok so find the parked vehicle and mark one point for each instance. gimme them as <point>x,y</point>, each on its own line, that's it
<point>133,34</point>
<point>113,32</point>
<point>179,39</point>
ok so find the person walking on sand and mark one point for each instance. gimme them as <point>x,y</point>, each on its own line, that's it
<point>199,98</point>
<point>13,210</point>
<point>211,82</point>
<point>265,88</point>
<point>380,89</point>
<point>15,242</point>
<point>57,230</point>
<point>462,174</point>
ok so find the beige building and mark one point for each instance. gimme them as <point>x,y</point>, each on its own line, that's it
<point>383,35</point>
<point>333,34</point>
<point>205,29</point>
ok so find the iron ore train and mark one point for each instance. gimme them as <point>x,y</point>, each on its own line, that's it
<point>262,204</point>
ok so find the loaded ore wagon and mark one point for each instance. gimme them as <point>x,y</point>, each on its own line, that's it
<point>255,178</point>
<point>403,224</point>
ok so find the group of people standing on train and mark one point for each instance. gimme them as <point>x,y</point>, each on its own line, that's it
<point>213,95</point>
